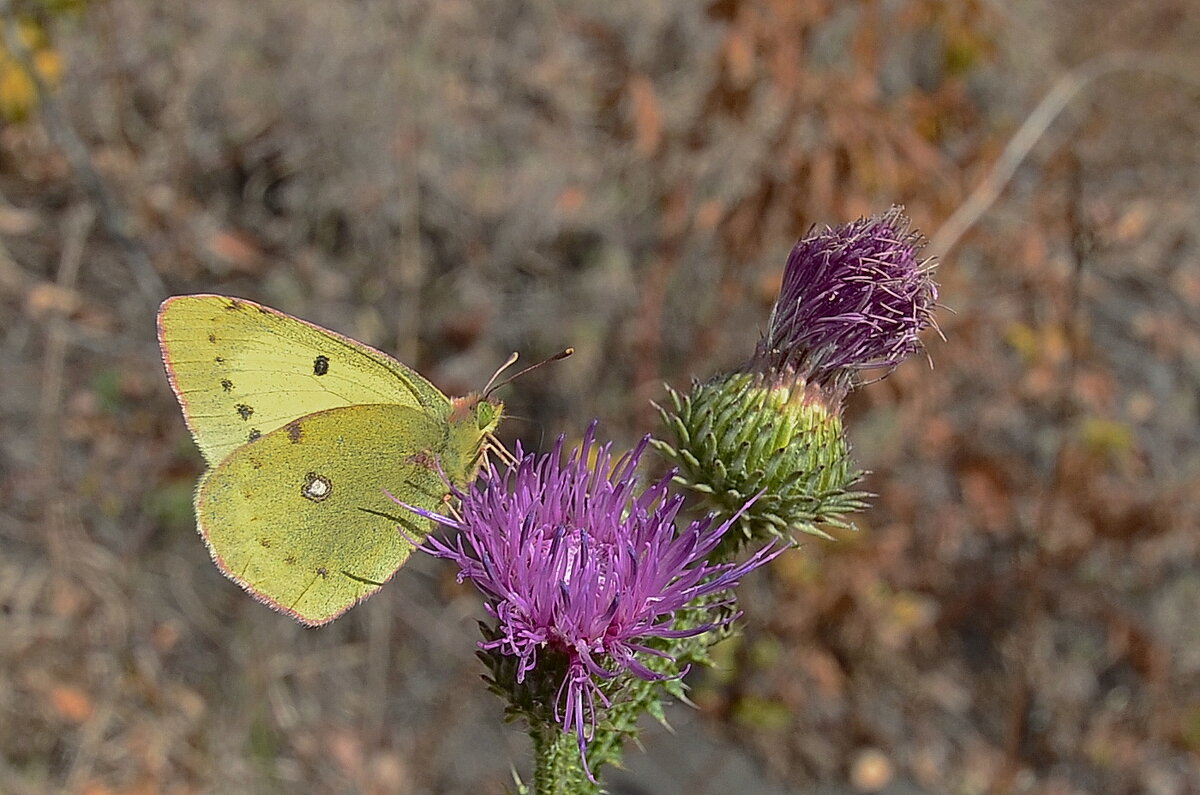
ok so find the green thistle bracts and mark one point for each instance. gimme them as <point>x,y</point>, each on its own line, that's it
<point>742,434</point>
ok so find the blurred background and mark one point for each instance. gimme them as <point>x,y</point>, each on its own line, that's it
<point>453,181</point>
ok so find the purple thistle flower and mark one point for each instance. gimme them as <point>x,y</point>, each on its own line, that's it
<point>853,298</point>
<point>574,562</point>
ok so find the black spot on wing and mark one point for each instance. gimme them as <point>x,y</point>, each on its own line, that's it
<point>322,572</point>
<point>219,360</point>
<point>226,385</point>
<point>295,431</point>
<point>212,338</point>
<point>255,433</point>
<point>321,365</point>
<point>244,411</point>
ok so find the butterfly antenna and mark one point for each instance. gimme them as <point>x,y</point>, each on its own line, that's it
<point>512,359</point>
<point>492,386</point>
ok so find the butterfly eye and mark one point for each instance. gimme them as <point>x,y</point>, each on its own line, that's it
<point>485,415</point>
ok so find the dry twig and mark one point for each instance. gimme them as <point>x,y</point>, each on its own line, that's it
<point>1056,100</point>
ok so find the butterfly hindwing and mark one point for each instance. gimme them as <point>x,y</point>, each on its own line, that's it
<point>299,518</point>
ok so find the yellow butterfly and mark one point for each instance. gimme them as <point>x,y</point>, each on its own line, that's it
<point>303,429</point>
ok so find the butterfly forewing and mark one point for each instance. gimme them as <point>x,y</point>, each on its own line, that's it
<point>241,371</point>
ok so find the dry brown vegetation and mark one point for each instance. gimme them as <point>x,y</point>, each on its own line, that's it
<point>452,181</point>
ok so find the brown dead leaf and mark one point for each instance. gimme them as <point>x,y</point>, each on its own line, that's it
<point>919,154</point>
<point>67,599</point>
<point>768,285</point>
<point>871,771</point>
<point>1133,223</point>
<point>143,786</point>
<point>826,673</point>
<point>190,704</point>
<point>166,635</point>
<point>738,53</point>
<point>389,774</point>
<point>709,214</point>
<point>1040,382</point>
<point>46,299</point>
<point>822,178</point>
<point>1141,406</point>
<point>939,437</point>
<point>346,748</point>
<point>1096,389</point>
<point>16,222</point>
<point>71,703</point>
<point>987,497</point>
<point>647,115</point>
<point>1034,250</point>
<point>236,249</point>
<point>570,200</point>
<point>1186,283</point>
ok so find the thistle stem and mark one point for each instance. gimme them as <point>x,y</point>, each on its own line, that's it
<point>558,768</point>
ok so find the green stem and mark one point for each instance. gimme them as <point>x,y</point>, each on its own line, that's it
<point>558,768</point>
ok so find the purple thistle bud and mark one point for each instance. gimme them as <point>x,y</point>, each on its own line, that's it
<point>583,571</point>
<point>853,298</point>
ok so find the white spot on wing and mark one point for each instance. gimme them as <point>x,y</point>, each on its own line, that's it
<point>316,487</point>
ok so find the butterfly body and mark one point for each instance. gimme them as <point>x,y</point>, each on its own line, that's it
<point>304,430</point>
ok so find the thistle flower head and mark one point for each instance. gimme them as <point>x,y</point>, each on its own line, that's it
<point>853,298</point>
<point>583,572</point>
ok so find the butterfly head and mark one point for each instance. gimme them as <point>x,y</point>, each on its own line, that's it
<point>472,420</point>
<point>474,417</point>
<point>477,413</point>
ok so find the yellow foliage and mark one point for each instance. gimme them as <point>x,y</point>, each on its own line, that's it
<point>762,714</point>
<point>1111,440</point>
<point>1023,339</point>
<point>48,64</point>
<point>18,92</point>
